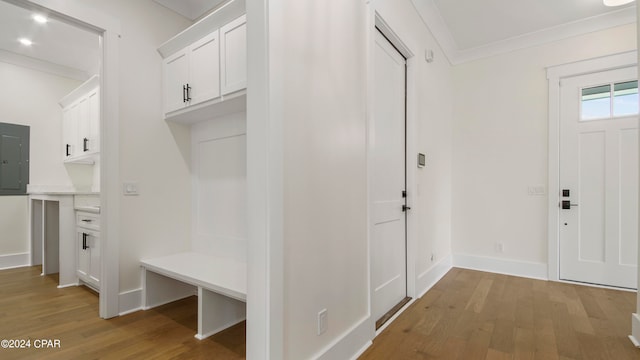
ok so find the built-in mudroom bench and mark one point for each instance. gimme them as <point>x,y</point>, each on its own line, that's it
<point>220,283</point>
<point>204,81</point>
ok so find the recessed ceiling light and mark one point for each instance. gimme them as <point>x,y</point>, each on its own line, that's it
<point>25,42</point>
<point>616,2</point>
<point>40,18</point>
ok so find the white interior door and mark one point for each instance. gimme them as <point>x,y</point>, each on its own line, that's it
<point>599,178</point>
<point>387,183</point>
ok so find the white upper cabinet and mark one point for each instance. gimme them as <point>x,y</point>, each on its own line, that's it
<point>81,123</point>
<point>205,67</point>
<point>176,76</point>
<point>192,75</point>
<point>233,52</point>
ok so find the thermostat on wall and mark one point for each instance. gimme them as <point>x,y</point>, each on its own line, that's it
<point>422,160</point>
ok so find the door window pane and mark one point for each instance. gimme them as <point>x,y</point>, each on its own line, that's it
<point>596,102</point>
<point>625,98</point>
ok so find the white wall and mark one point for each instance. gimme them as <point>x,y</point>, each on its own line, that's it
<point>323,47</point>
<point>13,225</point>
<point>429,131</point>
<point>325,230</point>
<point>500,146</point>
<point>29,97</point>
<point>152,152</point>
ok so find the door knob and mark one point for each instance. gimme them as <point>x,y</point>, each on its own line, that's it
<point>566,204</point>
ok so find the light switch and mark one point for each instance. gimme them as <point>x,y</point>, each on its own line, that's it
<point>130,188</point>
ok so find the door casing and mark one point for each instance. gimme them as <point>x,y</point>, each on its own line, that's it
<point>377,21</point>
<point>555,75</point>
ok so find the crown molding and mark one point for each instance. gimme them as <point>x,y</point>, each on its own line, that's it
<point>430,15</point>
<point>44,66</point>
<point>434,21</point>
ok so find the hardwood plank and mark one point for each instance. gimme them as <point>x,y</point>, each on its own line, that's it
<point>31,306</point>
<point>517,319</point>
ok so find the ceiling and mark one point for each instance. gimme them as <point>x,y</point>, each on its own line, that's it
<point>58,47</point>
<point>465,29</point>
<point>472,29</point>
<point>191,9</point>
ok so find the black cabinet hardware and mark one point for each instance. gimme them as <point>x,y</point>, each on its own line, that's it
<point>85,143</point>
<point>184,93</point>
<point>405,208</point>
<point>188,93</point>
<point>68,149</point>
<point>84,241</point>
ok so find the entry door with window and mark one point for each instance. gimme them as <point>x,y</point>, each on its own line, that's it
<point>387,183</point>
<point>599,178</point>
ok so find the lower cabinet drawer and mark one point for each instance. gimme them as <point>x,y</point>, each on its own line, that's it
<point>88,220</point>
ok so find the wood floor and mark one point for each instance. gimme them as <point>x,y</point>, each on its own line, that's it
<point>476,315</point>
<point>466,315</point>
<point>32,307</point>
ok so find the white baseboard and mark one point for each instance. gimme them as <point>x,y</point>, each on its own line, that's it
<point>431,276</point>
<point>635,330</point>
<point>129,301</point>
<point>501,266</point>
<point>11,261</point>
<point>351,344</point>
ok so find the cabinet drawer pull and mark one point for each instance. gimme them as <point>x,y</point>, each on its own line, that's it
<point>87,220</point>
<point>68,149</point>
<point>188,92</point>
<point>184,93</point>
<point>84,241</point>
<point>85,146</point>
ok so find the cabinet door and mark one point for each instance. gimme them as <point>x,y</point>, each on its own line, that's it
<point>233,45</point>
<point>175,69</point>
<point>95,262</point>
<point>84,254</point>
<point>204,69</point>
<point>83,127</point>
<point>92,134</point>
<point>69,131</point>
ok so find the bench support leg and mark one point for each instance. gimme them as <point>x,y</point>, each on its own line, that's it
<point>159,290</point>
<point>217,312</point>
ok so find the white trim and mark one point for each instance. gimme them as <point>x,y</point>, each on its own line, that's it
<point>501,266</point>
<point>431,276</point>
<point>109,28</point>
<point>350,344</point>
<point>555,74</point>
<point>11,261</point>
<point>432,18</point>
<point>129,301</point>
<point>548,35</point>
<point>265,238</point>
<point>635,330</point>
<point>43,66</point>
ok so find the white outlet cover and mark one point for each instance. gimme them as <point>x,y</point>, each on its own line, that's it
<point>130,188</point>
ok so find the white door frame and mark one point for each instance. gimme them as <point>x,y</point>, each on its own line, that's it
<point>378,22</point>
<point>555,74</point>
<point>109,28</point>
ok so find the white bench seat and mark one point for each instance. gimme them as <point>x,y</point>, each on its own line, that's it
<point>221,285</point>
